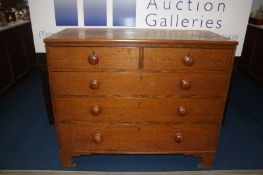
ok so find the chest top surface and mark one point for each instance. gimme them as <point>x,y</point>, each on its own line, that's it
<point>139,36</point>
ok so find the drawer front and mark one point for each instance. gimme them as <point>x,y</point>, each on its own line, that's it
<point>103,137</point>
<point>184,84</point>
<point>96,84</point>
<point>138,84</point>
<point>183,58</point>
<point>139,109</point>
<point>93,58</point>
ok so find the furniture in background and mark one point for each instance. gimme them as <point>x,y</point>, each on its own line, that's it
<point>138,91</point>
<point>17,53</point>
<point>41,65</point>
<point>251,60</point>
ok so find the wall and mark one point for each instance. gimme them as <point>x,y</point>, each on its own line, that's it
<point>227,18</point>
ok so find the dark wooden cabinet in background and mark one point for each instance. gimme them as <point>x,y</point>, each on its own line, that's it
<point>251,60</point>
<point>17,54</point>
<point>10,3</point>
<point>6,76</point>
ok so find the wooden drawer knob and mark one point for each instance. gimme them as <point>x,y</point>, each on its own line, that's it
<point>182,111</point>
<point>179,138</point>
<point>185,84</point>
<point>93,59</point>
<point>97,138</point>
<point>95,110</point>
<point>188,61</point>
<point>94,84</point>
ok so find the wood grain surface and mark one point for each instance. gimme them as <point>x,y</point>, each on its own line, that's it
<point>173,58</point>
<point>76,58</point>
<point>138,137</point>
<point>138,91</point>
<point>139,109</point>
<point>138,84</point>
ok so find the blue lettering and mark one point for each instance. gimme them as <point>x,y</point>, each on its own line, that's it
<point>163,22</point>
<point>153,21</point>
<point>185,22</point>
<point>219,24</point>
<point>208,6</point>
<point>223,5</point>
<point>165,7</point>
<point>209,24</point>
<point>194,20</point>
<point>197,8</point>
<point>201,22</point>
<point>177,5</point>
<point>152,2</point>
<point>189,5</point>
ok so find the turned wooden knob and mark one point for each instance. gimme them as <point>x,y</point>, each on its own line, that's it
<point>185,84</point>
<point>94,84</point>
<point>97,138</point>
<point>178,138</point>
<point>182,110</point>
<point>188,61</point>
<point>93,59</point>
<point>95,110</point>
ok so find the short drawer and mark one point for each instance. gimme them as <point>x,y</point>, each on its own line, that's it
<point>96,84</point>
<point>139,109</point>
<point>185,84</point>
<point>138,84</point>
<point>187,58</point>
<point>116,138</point>
<point>93,58</point>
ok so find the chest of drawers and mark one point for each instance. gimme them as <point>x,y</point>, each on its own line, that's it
<point>138,91</point>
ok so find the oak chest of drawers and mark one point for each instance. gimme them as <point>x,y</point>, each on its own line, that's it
<point>138,91</point>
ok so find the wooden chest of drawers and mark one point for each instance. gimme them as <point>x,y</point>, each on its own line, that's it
<point>138,91</point>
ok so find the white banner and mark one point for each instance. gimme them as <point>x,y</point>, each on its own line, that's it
<point>225,17</point>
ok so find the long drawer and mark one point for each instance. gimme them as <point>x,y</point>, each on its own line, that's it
<point>139,109</point>
<point>116,138</point>
<point>187,58</point>
<point>93,58</point>
<point>137,84</point>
